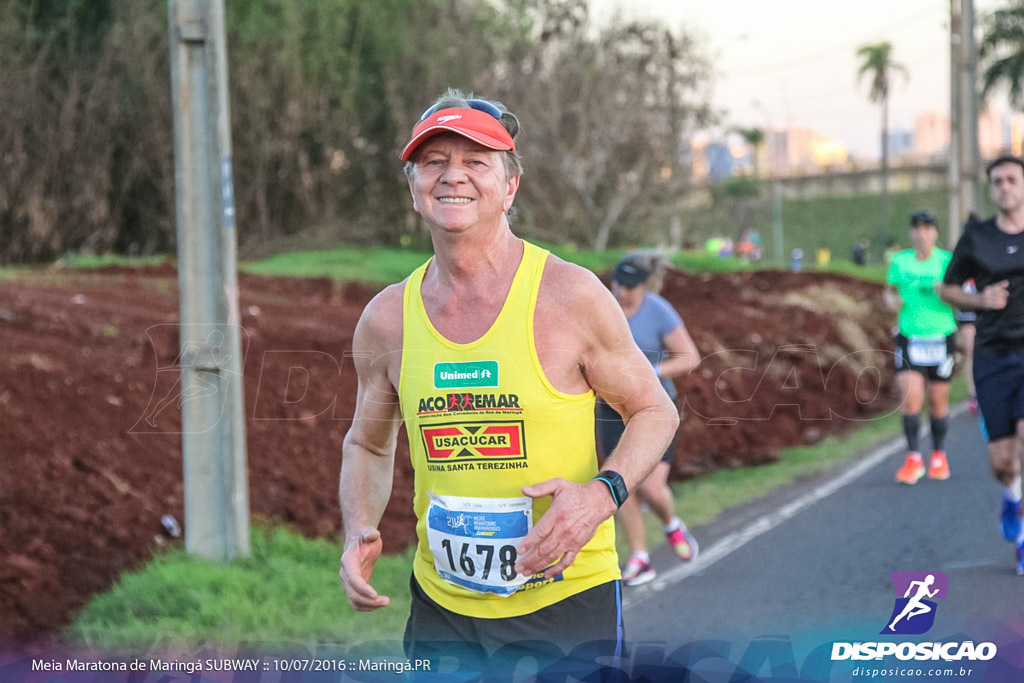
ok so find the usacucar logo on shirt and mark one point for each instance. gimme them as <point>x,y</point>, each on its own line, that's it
<point>477,441</point>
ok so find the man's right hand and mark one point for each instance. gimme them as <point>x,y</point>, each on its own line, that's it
<point>357,563</point>
<point>995,296</point>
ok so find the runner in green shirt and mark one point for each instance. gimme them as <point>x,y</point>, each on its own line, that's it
<point>925,344</point>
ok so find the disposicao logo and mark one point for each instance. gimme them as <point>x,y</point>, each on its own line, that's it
<point>916,593</point>
<point>913,613</point>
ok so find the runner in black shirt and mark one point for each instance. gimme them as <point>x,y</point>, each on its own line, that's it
<point>992,253</point>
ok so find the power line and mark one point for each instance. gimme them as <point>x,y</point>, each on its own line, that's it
<point>814,59</point>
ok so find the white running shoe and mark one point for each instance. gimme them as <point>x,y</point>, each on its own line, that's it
<point>638,572</point>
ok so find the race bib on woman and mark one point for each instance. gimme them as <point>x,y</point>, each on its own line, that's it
<point>474,540</point>
<point>926,351</point>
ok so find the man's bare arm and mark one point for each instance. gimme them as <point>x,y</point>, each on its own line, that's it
<point>992,297</point>
<point>617,370</point>
<point>368,452</point>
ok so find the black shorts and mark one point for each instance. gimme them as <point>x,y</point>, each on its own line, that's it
<point>610,428</point>
<point>999,382</point>
<point>933,358</point>
<point>576,635</point>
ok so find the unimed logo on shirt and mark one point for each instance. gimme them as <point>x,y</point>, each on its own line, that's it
<point>479,373</point>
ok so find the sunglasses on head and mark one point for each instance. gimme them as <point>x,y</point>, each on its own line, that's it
<point>479,105</point>
<point>510,122</point>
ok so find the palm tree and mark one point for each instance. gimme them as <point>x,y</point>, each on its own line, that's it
<point>877,62</point>
<point>755,138</point>
<point>1002,52</point>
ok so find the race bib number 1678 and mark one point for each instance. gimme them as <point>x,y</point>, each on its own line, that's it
<point>474,540</point>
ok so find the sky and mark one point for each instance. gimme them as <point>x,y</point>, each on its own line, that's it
<point>793,63</point>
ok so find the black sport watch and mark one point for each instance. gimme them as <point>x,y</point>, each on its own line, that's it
<point>615,484</point>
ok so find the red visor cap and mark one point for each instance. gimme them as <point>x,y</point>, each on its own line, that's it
<point>478,126</point>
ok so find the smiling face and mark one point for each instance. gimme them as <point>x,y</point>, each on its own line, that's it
<point>457,184</point>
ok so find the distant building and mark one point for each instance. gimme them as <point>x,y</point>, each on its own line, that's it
<point>784,152</point>
<point>901,142</point>
<point>931,134</point>
<point>717,160</point>
<point>776,145</point>
<point>699,167</point>
<point>720,163</point>
<point>803,148</point>
<point>992,135</point>
<point>828,152</point>
<point>1016,134</point>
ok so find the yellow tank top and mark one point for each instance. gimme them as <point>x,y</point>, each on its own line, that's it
<point>483,422</point>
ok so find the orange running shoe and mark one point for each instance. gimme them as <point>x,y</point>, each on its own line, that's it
<point>938,468</point>
<point>912,470</point>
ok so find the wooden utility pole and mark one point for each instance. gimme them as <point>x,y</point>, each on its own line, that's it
<point>212,410</point>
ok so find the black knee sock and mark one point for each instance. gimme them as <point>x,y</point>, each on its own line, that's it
<point>911,429</point>
<point>940,425</point>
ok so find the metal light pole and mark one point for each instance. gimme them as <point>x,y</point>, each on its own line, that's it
<point>213,427</point>
<point>778,241</point>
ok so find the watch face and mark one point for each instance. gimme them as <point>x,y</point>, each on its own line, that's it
<point>618,485</point>
<point>620,489</point>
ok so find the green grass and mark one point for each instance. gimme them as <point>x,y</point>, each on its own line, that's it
<point>837,222</point>
<point>375,265</point>
<point>288,590</point>
<point>73,260</point>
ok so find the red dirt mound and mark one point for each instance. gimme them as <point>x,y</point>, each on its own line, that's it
<point>91,448</point>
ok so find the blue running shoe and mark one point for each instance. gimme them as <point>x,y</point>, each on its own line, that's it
<point>1010,519</point>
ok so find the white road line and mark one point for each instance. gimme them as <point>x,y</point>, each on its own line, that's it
<point>733,542</point>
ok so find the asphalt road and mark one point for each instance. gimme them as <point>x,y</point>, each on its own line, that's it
<point>811,564</point>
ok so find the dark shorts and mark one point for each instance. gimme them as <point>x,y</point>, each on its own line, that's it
<point>577,635</point>
<point>609,430</point>
<point>965,317</point>
<point>999,382</point>
<point>935,364</point>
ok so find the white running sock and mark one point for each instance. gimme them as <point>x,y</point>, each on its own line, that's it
<point>676,523</point>
<point>642,555</point>
<point>1013,491</point>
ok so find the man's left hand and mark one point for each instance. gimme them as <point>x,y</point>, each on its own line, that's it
<point>576,512</point>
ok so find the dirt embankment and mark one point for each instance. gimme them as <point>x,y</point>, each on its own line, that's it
<point>90,422</point>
